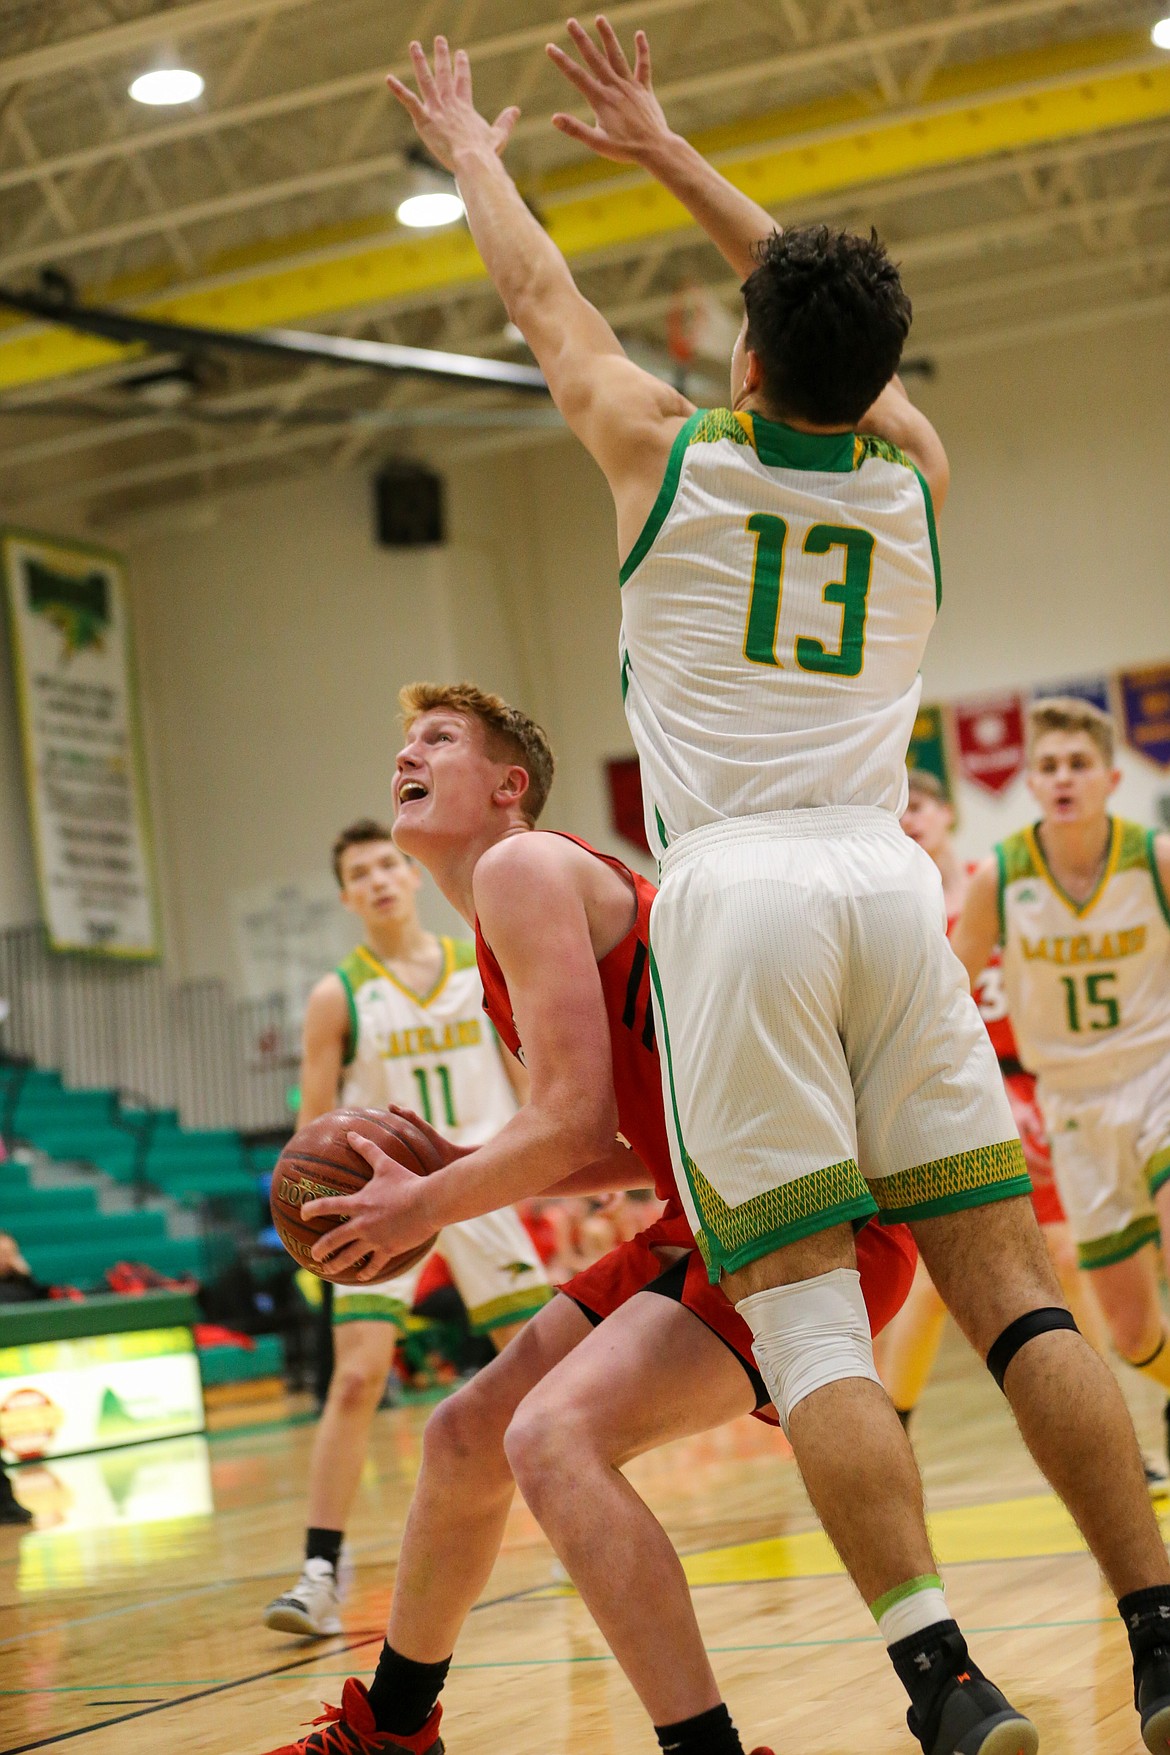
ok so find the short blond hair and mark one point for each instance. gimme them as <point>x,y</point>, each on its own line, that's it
<point>508,730</point>
<point>1071,713</point>
<point>928,784</point>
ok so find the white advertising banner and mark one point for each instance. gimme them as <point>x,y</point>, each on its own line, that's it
<point>287,936</point>
<point>71,652</point>
<point>96,1391</point>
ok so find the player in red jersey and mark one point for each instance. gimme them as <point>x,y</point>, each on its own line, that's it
<point>610,1369</point>
<point>911,1344</point>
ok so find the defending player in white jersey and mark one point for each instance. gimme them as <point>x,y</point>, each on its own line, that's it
<point>910,1344</point>
<point>823,1057</point>
<point>1080,902</point>
<point>401,1021</point>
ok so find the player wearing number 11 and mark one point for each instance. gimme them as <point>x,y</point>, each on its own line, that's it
<point>401,1021</point>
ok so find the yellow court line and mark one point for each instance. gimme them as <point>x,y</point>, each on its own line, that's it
<point>983,110</point>
<point>1035,1528</point>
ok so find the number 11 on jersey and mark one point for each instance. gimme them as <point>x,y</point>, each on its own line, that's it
<point>422,1079</point>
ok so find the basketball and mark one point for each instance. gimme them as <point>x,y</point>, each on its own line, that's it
<point>320,1161</point>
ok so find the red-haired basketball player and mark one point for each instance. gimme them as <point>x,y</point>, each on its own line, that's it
<point>562,942</point>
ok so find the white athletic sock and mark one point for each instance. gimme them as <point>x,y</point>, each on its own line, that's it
<point>910,1608</point>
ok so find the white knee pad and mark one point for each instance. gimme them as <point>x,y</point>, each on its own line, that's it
<point>808,1335</point>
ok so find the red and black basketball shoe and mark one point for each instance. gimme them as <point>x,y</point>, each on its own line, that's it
<point>349,1729</point>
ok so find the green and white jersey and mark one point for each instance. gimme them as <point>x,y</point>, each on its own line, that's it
<point>1088,984</point>
<point>775,609</point>
<point>435,1053</point>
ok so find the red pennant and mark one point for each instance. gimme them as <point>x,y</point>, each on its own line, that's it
<point>625,801</point>
<point>990,738</point>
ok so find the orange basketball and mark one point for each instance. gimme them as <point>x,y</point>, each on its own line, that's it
<point>320,1161</point>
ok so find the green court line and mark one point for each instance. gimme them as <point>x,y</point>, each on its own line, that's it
<point>603,1657</point>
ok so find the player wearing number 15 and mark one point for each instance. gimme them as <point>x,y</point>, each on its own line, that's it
<point>1080,903</point>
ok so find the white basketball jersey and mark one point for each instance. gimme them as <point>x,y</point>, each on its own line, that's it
<point>434,1053</point>
<point>774,614</point>
<point>1089,977</point>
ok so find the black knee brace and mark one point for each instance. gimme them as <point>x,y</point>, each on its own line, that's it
<point>1017,1334</point>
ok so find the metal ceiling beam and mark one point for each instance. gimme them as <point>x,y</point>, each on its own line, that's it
<point>340,350</point>
<point>1137,308</point>
<point>177,22</point>
<point>795,63</point>
<point>629,211</point>
<point>347,85</point>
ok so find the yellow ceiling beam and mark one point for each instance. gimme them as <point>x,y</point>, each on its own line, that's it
<point>790,157</point>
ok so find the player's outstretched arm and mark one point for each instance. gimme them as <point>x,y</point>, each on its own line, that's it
<point>615,408</point>
<point>570,1120</point>
<point>894,417</point>
<point>324,1035</point>
<point>629,125</point>
<point>976,932</point>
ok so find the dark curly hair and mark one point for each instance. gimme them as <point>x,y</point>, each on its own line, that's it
<point>827,314</point>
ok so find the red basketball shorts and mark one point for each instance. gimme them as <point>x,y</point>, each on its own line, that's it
<point>886,1258</point>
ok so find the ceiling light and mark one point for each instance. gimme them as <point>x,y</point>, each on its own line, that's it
<point>435,207</point>
<point>167,85</point>
<point>1160,35</point>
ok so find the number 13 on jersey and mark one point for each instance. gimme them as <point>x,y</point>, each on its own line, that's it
<point>850,590</point>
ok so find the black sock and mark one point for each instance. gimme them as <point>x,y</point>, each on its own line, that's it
<point>708,1733</point>
<point>924,1662</point>
<point>403,1692</point>
<point>324,1545</point>
<point>1146,1614</point>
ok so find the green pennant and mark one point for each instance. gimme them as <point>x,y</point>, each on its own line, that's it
<point>928,747</point>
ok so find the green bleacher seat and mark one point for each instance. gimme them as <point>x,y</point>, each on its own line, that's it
<point>123,1234</point>
<point>34,1107</point>
<point>265,1358</point>
<point>85,1264</point>
<point>17,1203</point>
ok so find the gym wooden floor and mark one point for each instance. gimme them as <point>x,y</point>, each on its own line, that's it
<point>133,1622</point>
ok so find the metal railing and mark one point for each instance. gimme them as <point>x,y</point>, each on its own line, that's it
<point>189,1046</point>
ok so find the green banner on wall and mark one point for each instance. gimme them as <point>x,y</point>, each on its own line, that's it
<point>928,747</point>
<point>71,653</point>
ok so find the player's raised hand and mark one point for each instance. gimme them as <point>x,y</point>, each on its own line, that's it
<point>628,119</point>
<point>443,110</point>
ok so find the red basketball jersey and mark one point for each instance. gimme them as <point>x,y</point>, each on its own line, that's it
<point>988,994</point>
<point>625,982</point>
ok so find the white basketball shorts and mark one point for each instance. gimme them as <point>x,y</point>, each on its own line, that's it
<point>495,1267</point>
<point>823,1059</point>
<point>1111,1155</point>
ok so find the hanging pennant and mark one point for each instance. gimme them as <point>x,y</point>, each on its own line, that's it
<point>1145,707</point>
<point>1093,689</point>
<point>990,738</point>
<point>928,747</point>
<point>625,801</point>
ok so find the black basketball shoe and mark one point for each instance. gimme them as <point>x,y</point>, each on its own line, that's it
<point>958,1711</point>
<point>1151,1696</point>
